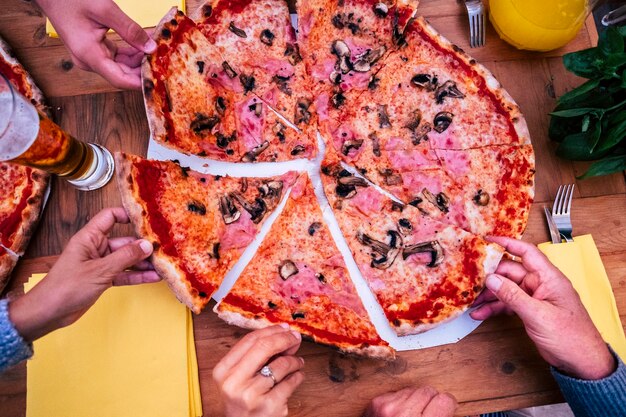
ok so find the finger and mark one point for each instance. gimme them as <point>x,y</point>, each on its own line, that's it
<point>127,28</point>
<point>532,258</point>
<point>281,367</point>
<point>118,74</point>
<point>135,277</point>
<point>131,60</point>
<point>117,242</point>
<point>441,405</point>
<point>241,348</point>
<point>286,387</point>
<point>419,398</point>
<point>513,270</point>
<point>491,309</point>
<point>512,296</point>
<point>104,221</point>
<point>263,350</point>
<point>127,256</point>
<point>143,266</point>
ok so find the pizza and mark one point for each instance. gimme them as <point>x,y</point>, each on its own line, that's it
<point>198,224</point>
<point>425,155</point>
<point>200,99</point>
<point>432,113</point>
<point>22,189</point>
<point>423,272</point>
<point>299,277</point>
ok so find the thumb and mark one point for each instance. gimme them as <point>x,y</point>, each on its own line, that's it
<point>128,29</point>
<point>512,295</point>
<point>127,255</point>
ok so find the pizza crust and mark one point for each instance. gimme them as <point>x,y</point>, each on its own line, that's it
<point>7,263</point>
<point>239,320</point>
<point>165,266</point>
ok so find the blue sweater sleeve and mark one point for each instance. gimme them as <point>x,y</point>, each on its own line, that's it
<point>13,349</point>
<point>602,398</point>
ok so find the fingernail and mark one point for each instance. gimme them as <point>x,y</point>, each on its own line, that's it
<point>301,359</point>
<point>284,325</point>
<point>145,246</point>
<point>296,334</point>
<point>150,46</point>
<point>493,282</point>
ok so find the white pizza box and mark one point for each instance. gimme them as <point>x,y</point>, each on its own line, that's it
<point>446,333</point>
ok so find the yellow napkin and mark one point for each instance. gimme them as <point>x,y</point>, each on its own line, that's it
<point>581,263</point>
<point>146,13</point>
<point>132,354</point>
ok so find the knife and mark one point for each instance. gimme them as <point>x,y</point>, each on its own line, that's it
<point>554,232</point>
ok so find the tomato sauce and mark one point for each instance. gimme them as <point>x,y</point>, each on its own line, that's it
<point>9,225</point>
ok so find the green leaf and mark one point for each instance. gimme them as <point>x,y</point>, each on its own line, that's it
<point>583,63</point>
<point>615,131</point>
<point>623,85</point>
<point>578,112</point>
<point>622,31</point>
<point>611,42</point>
<point>606,166</point>
<point>561,127</point>
<point>580,91</point>
<point>576,148</point>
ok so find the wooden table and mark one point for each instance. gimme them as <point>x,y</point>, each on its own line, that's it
<point>494,368</point>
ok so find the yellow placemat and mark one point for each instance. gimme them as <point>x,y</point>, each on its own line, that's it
<point>132,354</point>
<point>580,261</point>
<point>146,13</point>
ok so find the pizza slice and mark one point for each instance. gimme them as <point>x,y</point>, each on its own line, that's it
<point>257,40</point>
<point>199,224</point>
<point>298,276</point>
<point>423,272</point>
<point>7,263</point>
<point>497,184</point>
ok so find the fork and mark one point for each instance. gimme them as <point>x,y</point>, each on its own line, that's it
<point>561,211</point>
<point>476,14</point>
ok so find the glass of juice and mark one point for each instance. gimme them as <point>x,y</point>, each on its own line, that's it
<point>29,138</point>
<point>539,25</point>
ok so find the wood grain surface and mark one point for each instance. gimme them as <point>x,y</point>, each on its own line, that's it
<point>494,368</point>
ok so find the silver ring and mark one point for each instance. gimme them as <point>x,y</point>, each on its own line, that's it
<point>267,372</point>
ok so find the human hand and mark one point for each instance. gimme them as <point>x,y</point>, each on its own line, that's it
<point>413,402</point>
<point>83,25</point>
<point>89,265</point>
<point>245,392</point>
<point>553,315</point>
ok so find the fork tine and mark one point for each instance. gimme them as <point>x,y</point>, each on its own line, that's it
<point>570,189</point>
<point>483,26</point>
<point>555,206</point>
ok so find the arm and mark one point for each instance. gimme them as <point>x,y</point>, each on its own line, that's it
<point>424,402</point>
<point>83,25</point>
<point>243,391</point>
<point>90,264</point>
<point>553,316</point>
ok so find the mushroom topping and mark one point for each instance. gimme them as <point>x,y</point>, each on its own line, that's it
<point>375,144</point>
<point>244,184</point>
<point>415,120</point>
<point>442,121</point>
<point>390,177</point>
<point>447,89</point>
<point>220,105</point>
<point>405,227</point>
<point>368,58</point>
<point>223,140</point>
<point>196,207</point>
<point>286,269</point>
<point>351,144</point>
<point>381,9</point>
<point>383,254</point>
<point>321,278</point>
<point>271,305</point>
<point>421,133</point>
<point>314,227</point>
<point>239,32</point>
<point>335,77</point>
<point>282,83</point>
<point>302,112</point>
<point>256,108</point>
<point>352,180</point>
<point>481,198</point>
<point>337,100</point>
<point>383,117</point>
<point>345,65</point>
<point>215,253</point>
<point>229,212</point>
<point>297,150</point>
<point>200,65</point>
<point>267,37</point>
<point>271,189</point>
<point>247,82</point>
<point>340,48</point>
<point>252,154</point>
<point>345,191</point>
<point>202,122</point>
<point>435,249</point>
<point>257,209</point>
<point>292,52</point>
<point>229,70</point>
<point>373,84</point>
<point>278,130</point>
<point>297,315</point>
<point>441,201</point>
<point>426,81</point>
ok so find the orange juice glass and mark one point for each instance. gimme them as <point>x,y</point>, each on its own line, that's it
<point>539,25</point>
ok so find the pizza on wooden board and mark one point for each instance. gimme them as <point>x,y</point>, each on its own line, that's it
<point>299,277</point>
<point>199,103</point>
<point>423,272</point>
<point>199,224</point>
<point>22,189</point>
